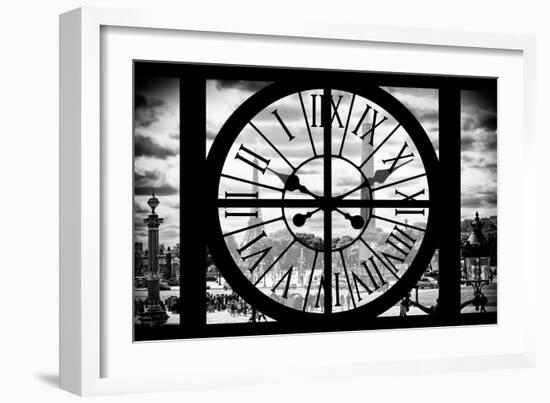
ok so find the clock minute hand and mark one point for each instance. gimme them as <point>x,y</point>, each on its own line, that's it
<point>282,177</point>
<point>382,174</point>
<point>379,176</point>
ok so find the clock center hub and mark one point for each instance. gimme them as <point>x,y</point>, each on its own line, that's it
<point>327,202</point>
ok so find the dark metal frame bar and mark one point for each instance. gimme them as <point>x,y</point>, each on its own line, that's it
<point>193,160</point>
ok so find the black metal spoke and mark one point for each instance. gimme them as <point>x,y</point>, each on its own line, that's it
<point>263,223</point>
<point>312,203</point>
<point>398,223</point>
<point>272,145</point>
<point>347,126</point>
<point>380,145</point>
<point>236,178</point>
<point>307,124</point>
<point>310,279</point>
<point>327,185</point>
<point>274,262</point>
<point>398,182</point>
<point>347,278</point>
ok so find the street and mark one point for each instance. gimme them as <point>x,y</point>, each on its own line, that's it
<point>426,297</point>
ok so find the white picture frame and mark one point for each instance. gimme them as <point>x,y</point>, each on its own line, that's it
<point>87,199</point>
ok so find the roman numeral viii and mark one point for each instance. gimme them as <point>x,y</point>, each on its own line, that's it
<point>375,278</point>
<point>402,243</point>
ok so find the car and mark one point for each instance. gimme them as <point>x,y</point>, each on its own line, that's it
<point>427,282</point>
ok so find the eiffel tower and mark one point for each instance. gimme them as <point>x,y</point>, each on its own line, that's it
<point>255,218</point>
<point>256,213</point>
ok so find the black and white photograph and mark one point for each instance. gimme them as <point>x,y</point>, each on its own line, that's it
<point>295,201</point>
<point>272,201</point>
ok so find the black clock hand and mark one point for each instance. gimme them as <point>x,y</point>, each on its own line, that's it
<point>292,183</point>
<point>282,177</point>
<point>379,177</point>
<point>300,219</point>
<point>382,174</point>
<point>356,221</point>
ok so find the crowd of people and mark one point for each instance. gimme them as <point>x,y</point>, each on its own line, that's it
<point>230,302</point>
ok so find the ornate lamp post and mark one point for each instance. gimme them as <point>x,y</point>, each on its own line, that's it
<point>154,313</point>
<point>474,249</point>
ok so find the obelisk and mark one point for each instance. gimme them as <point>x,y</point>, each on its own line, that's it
<point>368,172</point>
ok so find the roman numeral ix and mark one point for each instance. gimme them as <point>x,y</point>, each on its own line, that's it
<point>335,113</point>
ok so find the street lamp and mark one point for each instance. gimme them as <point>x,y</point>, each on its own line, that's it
<point>474,248</point>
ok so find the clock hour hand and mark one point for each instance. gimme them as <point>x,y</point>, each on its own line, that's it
<point>300,219</point>
<point>292,183</point>
<point>357,222</point>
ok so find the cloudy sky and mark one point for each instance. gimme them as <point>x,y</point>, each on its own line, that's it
<point>157,145</point>
<point>156,155</point>
<point>479,154</point>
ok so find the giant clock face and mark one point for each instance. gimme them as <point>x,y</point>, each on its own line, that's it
<point>322,201</point>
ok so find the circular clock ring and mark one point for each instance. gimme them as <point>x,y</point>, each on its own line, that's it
<point>217,245</point>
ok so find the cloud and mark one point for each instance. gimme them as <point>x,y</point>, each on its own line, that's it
<point>479,198</point>
<point>244,85</point>
<point>146,177</point>
<point>428,116</point>
<point>478,140</point>
<point>467,142</point>
<point>147,110</point>
<point>175,205</point>
<point>348,182</point>
<point>210,134</point>
<point>484,164</point>
<point>161,190</point>
<point>146,147</point>
<point>479,111</point>
<point>484,120</point>
<point>139,209</point>
<point>153,181</point>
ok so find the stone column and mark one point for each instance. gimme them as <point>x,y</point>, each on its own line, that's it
<point>154,313</point>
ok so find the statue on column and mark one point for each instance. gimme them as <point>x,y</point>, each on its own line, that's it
<point>154,312</point>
